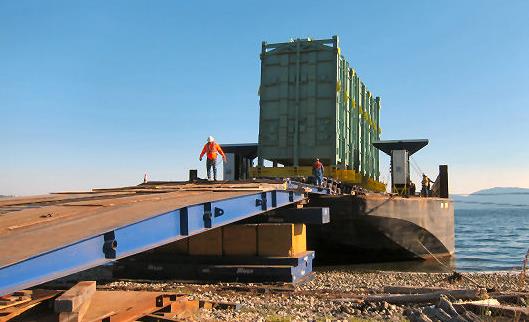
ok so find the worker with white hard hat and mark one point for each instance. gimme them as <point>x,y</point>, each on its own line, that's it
<point>211,148</point>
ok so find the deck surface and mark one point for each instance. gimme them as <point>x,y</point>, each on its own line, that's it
<point>34,225</point>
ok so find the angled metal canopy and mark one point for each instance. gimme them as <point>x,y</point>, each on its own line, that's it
<point>247,150</point>
<point>411,146</point>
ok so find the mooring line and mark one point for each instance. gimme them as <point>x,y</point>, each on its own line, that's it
<point>523,273</point>
<point>453,271</point>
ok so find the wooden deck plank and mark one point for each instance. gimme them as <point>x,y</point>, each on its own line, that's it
<point>26,200</point>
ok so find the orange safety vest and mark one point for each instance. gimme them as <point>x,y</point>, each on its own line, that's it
<point>317,165</point>
<point>211,149</point>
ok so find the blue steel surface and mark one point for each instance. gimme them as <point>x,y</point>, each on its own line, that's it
<point>132,239</point>
<point>161,258</point>
<point>249,269</point>
<point>303,268</point>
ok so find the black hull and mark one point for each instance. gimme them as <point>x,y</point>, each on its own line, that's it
<point>377,228</point>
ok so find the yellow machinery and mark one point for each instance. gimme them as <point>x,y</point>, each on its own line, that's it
<point>345,176</point>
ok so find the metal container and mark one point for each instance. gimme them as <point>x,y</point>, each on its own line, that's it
<point>313,105</point>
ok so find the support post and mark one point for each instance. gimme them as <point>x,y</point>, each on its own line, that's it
<point>443,183</point>
<point>296,114</point>
<point>193,175</point>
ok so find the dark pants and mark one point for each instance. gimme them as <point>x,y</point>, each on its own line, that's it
<point>318,174</point>
<point>211,164</point>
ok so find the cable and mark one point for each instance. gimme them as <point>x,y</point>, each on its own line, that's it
<point>523,275</point>
<point>417,170</point>
<point>454,272</point>
<point>416,164</point>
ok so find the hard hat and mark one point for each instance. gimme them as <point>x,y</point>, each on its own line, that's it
<point>211,139</point>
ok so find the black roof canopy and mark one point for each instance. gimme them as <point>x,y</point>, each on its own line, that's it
<point>411,146</point>
<point>247,150</point>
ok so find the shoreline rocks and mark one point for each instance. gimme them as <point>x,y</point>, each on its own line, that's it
<point>333,294</point>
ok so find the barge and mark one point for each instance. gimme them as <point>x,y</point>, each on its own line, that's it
<point>374,228</point>
<point>313,104</point>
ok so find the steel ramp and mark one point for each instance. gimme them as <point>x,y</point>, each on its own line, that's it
<point>42,240</point>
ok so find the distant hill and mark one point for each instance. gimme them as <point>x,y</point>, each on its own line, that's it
<point>499,197</point>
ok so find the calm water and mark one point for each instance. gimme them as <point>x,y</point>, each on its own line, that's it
<point>486,240</point>
<point>491,239</point>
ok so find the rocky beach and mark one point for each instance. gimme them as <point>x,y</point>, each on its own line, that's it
<point>332,295</point>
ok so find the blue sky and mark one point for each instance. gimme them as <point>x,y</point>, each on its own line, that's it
<point>95,93</point>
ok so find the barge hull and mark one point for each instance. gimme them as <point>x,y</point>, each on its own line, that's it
<point>375,227</point>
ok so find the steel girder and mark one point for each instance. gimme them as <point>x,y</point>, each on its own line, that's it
<point>138,237</point>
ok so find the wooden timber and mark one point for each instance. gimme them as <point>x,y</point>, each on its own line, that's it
<point>118,306</point>
<point>38,296</point>
<point>121,306</point>
<point>515,313</point>
<point>432,297</point>
<point>72,299</point>
<point>416,290</point>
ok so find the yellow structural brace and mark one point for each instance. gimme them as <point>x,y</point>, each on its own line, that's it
<point>346,176</point>
<point>280,172</point>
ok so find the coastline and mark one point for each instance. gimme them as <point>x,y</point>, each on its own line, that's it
<point>333,294</point>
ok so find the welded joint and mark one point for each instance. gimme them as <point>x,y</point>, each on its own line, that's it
<point>184,221</point>
<point>207,215</point>
<point>110,244</point>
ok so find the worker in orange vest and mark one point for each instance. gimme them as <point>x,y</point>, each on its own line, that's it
<point>211,148</point>
<point>317,171</point>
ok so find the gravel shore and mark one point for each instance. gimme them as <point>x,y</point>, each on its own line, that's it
<point>331,295</point>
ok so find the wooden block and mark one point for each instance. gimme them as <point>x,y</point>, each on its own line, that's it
<point>184,308</point>
<point>206,305</point>
<point>179,247</point>
<point>76,316</point>
<point>239,240</point>
<point>72,299</point>
<point>281,240</point>
<point>300,239</point>
<point>207,243</point>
